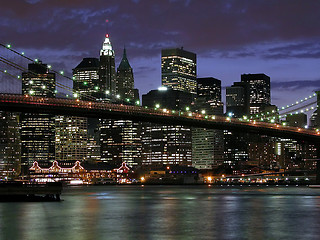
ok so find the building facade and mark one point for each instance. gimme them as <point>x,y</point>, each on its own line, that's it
<point>37,130</point>
<point>259,91</point>
<point>179,69</point>
<point>107,70</point>
<point>207,144</point>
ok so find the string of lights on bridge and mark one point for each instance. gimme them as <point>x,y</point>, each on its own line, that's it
<point>271,116</point>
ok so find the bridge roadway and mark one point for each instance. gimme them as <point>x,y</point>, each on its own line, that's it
<point>72,107</point>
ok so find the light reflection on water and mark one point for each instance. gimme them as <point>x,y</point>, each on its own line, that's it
<point>167,212</point>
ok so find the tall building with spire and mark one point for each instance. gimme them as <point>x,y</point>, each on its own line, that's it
<point>107,73</point>
<point>125,82</point>
<point>120,140</point>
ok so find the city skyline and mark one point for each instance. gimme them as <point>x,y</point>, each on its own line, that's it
<point>229,38</point>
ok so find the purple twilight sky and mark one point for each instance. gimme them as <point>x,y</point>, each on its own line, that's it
<point>278,38</point>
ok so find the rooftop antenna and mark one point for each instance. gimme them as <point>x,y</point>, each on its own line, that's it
<point>107,28</point>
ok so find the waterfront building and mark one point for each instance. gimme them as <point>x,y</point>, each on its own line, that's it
<point>10,149</point>
<point>235,148</point>
<point>179,69</point>
<point>166,144</point>
<point>120,140</point>
<point>208,144</point>
<point>71,138</point>
<point>37,130</point>
<point>259,91</point>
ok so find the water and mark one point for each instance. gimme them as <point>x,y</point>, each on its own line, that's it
<point>167,212</point>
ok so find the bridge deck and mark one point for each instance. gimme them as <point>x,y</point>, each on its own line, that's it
<point>25,103</point>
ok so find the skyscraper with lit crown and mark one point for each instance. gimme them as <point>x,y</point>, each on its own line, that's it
<point>121,139</point>
<point>107,73</point>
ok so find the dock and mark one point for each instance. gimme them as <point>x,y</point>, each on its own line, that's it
<point>25,191</point>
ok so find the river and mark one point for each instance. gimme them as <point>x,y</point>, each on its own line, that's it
<point>167,212</point>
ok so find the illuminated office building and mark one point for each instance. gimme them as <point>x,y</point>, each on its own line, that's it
<point>71,138</point>
<point>120,140</point>
<point>86,82</point>
<point>259,91</point>
<point>72,131</point>
<point>207,144</point>
<point>179,70</point>
<point>37,130</point>
<point>166,144</point>
<point>10,149</point>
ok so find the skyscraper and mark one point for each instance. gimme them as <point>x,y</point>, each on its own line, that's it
<point>237,99</point>
<point>107,73</point>
<point>10,146</point>
<point>86,81</point>
<point>162,144</point>
<point>207,144</point>
<point>259,91</point>
<point>37,130</point>
<point>179,69</point>
<point>120,140</point>
<point>125,82</point>
<point>209,96</point>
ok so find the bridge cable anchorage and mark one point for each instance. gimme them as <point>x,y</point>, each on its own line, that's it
<point>57,72</point>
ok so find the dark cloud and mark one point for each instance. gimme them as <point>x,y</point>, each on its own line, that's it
<point>296,85</point>
<point>64,32</point>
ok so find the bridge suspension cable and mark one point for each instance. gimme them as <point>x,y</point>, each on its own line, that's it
<point>60,73</point>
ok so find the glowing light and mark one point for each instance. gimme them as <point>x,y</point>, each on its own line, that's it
<point>9,46</point>
<point>75,95</point>
<point>36,60</point>
<point>187,108</point>
<point>162,88</point>
<point>203,111</point>
<point>43,87</point>
<point>31,92</point>
<point>118,96</point>
<point>157,105</point>
<point>107,92</point>
<point>49,66</point>
<point>138,102</point>
<point>142,179</point>
<point>107,35</point>
<point>96,88</point>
